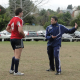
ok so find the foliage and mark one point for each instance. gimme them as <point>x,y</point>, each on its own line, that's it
<point>4,20</point>
<point>28,8</point>
<point>42,17</point>
<point>49,18</point>
<point>77,20</point>
<point>26,23</point>
<point>69,6</point>
<point>26,5</point>
<point>78,8</point>
<point>46,24</point>
<point>30,19</point>
<point>60,21</point>
<point>64,18</point>
<point>58,10</point>
<point>2,10</point>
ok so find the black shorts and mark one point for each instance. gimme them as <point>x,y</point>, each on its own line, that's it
<point>16,43</point>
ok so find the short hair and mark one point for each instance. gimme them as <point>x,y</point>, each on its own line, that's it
<point>17,11</point>
<point>56,19</point>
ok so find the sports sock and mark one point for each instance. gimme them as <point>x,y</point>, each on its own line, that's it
<point>12,64</point>
<point>16,65</point>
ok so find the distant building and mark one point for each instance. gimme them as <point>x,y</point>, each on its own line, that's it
<point>67,10</point>
<point>74,12</point>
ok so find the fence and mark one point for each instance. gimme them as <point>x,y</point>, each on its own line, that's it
<point>42,38</point>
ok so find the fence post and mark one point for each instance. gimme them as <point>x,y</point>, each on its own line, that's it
<point>2,39</point>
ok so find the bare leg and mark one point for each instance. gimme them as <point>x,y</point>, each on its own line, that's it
<point>17,53</point>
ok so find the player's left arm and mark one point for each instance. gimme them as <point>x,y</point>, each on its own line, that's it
<point>20,29</point>
<point>8,28</point>
<point>76,25</point>
<point>72,30</point>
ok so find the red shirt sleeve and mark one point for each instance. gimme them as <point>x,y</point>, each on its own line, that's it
<point>9,24</point>
<point>19,23</point>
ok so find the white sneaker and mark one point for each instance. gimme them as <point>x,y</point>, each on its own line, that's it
<point>11,71</point>
<point>18,74</point>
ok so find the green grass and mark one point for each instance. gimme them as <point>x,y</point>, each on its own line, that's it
<point>34,61</point>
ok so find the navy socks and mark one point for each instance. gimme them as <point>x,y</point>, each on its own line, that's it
<point>12,64</point>
<point>16,65</point>
<point>16,62</point>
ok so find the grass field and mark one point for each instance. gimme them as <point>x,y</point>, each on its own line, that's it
<point>34,61</point>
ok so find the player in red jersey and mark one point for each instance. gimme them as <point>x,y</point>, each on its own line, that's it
<point>15,28</point>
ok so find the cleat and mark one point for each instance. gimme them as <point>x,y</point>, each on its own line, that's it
<point>18,74</point>
<point>58,73</point>
<point>11,71</point>
<point>50,70</point>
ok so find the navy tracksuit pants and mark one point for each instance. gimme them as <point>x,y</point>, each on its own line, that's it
<point>53,53</point>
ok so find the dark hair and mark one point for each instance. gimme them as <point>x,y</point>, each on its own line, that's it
<point>17,11</point>
<point>56,19</point>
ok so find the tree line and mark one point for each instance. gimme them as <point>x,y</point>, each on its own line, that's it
<point>32,15</point>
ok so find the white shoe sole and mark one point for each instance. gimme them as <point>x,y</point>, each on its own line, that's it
<point>11,71</point>
<point>18,74</point>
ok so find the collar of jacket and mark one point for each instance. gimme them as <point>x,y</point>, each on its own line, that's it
<point>54,25</point>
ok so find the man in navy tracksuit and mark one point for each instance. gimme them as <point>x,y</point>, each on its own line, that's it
<point>53,35</point>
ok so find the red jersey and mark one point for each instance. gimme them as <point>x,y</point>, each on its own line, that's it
<point>14,23</point>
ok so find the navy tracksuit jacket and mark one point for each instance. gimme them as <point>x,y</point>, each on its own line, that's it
<point>53,45</point>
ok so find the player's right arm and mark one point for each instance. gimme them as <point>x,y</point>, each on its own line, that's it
<point>48,36</point>
<point>8,29</point>
<point>20,29</point>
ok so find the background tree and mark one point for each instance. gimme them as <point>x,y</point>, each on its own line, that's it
<point>50,14</point>
<point>58,10</point>
<point>77,20</point>
<point>78,8</point>
<point>42,17</point>
<point>64,18</point>
<point>2,10</point>
<point>26,5</point>
<point>30,20</point>
<point>69,6</point>
<point>4,18</point>
<point>29,8</point>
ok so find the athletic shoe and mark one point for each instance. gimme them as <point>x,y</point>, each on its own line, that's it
<point>11,71</point>
<point>50,70</point>
<point>58,73</point>
<point>18,74</point>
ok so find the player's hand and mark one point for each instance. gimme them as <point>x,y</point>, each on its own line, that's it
<point>54,36</point>
<point>76,25</point>
<point>24,36</point>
